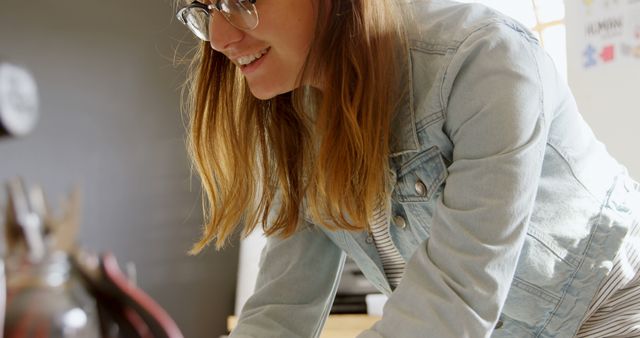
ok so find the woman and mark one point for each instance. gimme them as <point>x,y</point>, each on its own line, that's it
<point>432,142</point>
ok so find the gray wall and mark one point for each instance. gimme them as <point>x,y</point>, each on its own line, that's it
<point>110,121</point>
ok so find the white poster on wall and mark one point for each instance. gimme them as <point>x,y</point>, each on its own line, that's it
<point>607,30</point>
<point>603,62</point>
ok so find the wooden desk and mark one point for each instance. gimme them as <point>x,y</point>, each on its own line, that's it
<point>337,326</point>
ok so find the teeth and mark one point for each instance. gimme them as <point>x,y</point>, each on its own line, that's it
<point>245,60</point>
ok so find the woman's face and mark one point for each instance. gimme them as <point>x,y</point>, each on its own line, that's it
<point>282,38</point>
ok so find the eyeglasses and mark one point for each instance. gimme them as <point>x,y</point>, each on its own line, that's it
<point>241,14</point>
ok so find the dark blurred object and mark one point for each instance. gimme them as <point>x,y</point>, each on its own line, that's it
<point>125,310</point>
<point>349,304</point>
<point>48,299</point>
<point>352,291</point>
<point>45,296</point>
<point>54,289</point>
<point>18,100</point>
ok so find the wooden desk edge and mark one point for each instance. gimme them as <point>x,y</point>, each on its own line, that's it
<point>334,322</point>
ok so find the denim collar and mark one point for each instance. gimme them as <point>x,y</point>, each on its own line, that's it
<point>403,136</point>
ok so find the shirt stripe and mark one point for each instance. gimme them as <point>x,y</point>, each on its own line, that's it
<point>392,262</point>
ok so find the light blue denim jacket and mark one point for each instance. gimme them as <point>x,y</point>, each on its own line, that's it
<point>523,213</point>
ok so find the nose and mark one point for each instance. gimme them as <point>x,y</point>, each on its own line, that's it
<point>222,34</point>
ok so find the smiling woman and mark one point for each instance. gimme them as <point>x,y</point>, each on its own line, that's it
<point>433,142</point>
<point>268,67</point>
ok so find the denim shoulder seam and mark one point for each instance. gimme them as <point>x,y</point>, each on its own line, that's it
<point>455,49</point>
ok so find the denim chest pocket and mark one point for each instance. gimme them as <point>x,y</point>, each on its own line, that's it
<point>420,177</point>
<point>419,181</point>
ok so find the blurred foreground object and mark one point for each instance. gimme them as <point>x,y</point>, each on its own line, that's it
<point>55,289</point>
<point>45,297</point>
<point>18,100</point>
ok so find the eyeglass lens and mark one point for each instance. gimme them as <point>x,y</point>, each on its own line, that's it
<point>197,19</point>
<point>240,13</point>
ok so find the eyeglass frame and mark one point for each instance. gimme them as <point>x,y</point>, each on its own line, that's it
<point>216,5</point>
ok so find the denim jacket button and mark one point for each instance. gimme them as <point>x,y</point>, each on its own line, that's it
<point>421,189</point>
<point>400,222</point>
<point>369,239</point>
<point>499,324</point>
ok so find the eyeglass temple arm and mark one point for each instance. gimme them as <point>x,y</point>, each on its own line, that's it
<point>253,2</point>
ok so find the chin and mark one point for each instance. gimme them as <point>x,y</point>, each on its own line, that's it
<point>267,93</point>
<point>263,95</point>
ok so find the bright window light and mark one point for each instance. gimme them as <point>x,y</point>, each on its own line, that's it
<point>545,18</point>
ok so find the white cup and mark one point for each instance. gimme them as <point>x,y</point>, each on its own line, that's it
<point>375,303</point>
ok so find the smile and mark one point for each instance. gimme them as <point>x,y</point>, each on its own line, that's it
<point>248,59</point>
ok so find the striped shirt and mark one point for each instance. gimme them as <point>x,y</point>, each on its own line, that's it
<point>614,311</point>
<point>392,261</point>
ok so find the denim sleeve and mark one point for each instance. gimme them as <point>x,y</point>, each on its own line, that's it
<point>456,282</point>
<point>295,288</point>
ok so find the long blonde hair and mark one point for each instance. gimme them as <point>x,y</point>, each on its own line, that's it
<point>329,149</point>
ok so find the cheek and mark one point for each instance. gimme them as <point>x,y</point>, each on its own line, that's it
<point>296,34</point>
<point>289,51</point>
